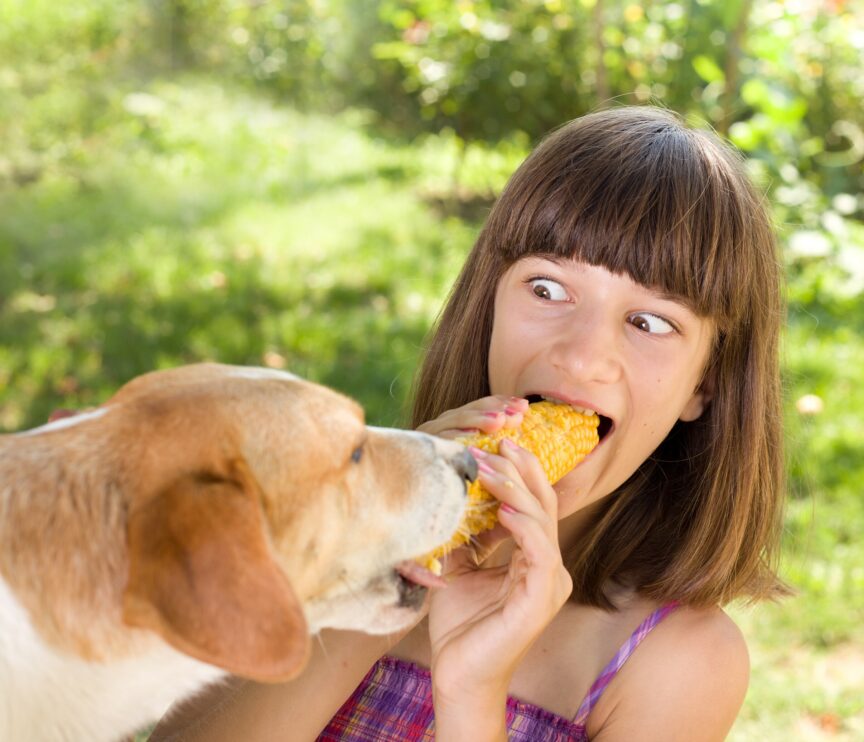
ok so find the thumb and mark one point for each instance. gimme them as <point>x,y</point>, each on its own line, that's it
<point>485,544</point>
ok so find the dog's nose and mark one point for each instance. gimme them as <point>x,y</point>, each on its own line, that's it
<point>465,465</point>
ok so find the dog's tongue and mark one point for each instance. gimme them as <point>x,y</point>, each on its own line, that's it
<point>413,572</point>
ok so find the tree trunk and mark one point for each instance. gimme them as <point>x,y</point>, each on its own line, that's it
<point>602,84</point>
<point>732,72</point>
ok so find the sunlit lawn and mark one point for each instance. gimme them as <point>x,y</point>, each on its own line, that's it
<point>195,222</point>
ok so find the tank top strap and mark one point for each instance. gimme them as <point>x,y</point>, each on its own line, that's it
<point>617,662</point>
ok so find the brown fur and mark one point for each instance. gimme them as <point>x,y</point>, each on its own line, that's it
<point>204,506</point>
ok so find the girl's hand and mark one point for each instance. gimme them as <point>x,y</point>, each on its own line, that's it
<point>485,415</point>
<point>488,414</point>
<point>483,623</point>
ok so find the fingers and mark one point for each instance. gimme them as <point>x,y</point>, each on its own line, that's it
<point>531,471</point>
<point>536,565</point>
<point>488,414</point>
<point>484,545</point>
<point>540,553</point>
<point>516,477</point>
<point>529,512</point>
<point>533,585</point>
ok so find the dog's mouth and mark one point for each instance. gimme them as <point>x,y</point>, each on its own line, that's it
<point>413,581</point>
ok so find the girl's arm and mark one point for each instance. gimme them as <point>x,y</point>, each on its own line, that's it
<point>297,710</point>
<point>686,683</point>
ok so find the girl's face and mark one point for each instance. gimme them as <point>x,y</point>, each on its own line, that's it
<point>575,332</point>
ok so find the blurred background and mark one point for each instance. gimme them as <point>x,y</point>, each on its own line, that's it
<point>295,184</point>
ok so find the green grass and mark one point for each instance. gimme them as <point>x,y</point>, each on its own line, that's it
<point>806,651</point>
<point>221,228</point>
<point>166,222</point>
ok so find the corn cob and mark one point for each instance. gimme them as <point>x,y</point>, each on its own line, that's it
<point>559,436</point>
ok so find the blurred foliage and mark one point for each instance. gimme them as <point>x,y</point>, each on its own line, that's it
<point>295,184</point>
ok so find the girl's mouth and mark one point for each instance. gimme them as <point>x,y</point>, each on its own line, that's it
<point>603,429</point>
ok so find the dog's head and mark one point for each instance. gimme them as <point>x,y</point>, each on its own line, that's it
<point>262,508</point>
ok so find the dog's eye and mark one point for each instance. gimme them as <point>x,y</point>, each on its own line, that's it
<point>357,454</point>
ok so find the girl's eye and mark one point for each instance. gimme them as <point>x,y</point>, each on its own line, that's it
<point>547,289</point>
<point>653,323</point>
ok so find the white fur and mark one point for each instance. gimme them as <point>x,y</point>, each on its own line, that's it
<point>255,372</point>
<point>65,422</point>
<point>372,606</point>
<point>48,696</point>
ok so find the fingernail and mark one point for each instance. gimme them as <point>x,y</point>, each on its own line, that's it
<point>507,508</point>
<point>510,444</point>
<point>478,453</point>
<point>510,410</point>
<point>491,414</point>
<point>483,466</point>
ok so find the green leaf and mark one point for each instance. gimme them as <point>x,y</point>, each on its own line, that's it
<point>708,69</point>
<point>744,136</point>
<point>390,50</point>
<point>730,12</point>
<point>755,92</point>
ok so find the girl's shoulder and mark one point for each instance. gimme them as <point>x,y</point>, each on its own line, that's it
<point>687,681</point>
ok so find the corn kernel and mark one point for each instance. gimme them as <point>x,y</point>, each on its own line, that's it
<point>559,436</point>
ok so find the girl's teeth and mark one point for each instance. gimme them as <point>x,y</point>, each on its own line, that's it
<point>582,410</point>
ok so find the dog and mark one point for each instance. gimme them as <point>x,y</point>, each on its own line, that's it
<point>206,520</point>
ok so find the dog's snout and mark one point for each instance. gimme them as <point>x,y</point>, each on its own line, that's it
<point>465,465</point>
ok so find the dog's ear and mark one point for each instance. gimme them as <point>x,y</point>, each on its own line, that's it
<point>202,577</point>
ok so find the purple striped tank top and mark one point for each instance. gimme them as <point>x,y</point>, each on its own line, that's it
<point>393,703</point>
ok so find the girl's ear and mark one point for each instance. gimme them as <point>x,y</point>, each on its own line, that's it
<point>700,400</point>
<point>695,406</point>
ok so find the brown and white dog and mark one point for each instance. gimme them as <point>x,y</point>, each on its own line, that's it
<point>206,520</point>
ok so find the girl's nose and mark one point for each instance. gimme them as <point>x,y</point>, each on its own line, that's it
<point>589,351</point>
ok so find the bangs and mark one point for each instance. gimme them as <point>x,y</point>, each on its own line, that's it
<point>636,192</point>
<point>641,196</point>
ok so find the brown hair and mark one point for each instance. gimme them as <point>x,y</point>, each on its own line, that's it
<point>636,191</point>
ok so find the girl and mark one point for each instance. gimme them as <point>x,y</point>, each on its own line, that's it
<point>628,267</point>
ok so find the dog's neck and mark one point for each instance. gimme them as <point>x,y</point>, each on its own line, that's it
<point>62,536</point>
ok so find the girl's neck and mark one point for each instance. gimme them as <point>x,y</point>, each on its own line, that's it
<point>572,529</point>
